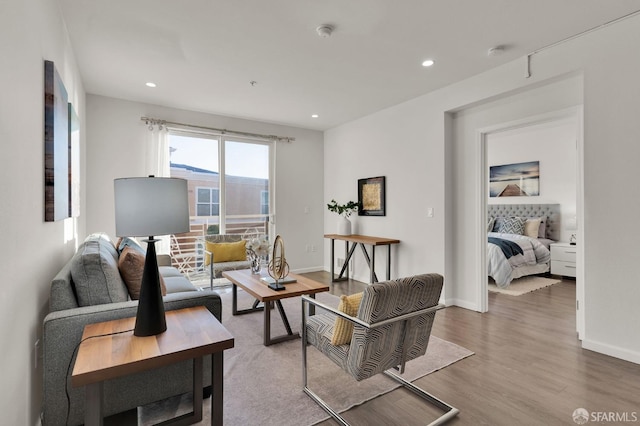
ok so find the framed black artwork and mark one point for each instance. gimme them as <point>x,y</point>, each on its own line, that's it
<point>371,196</point>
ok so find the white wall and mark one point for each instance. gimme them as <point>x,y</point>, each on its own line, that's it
<point>116,143</point>
<point>413,146</point>
<point>32,251</point>
<point>553,144</point>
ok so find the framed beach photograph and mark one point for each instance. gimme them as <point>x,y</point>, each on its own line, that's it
<point>371,196</point>
<point>515,180</point>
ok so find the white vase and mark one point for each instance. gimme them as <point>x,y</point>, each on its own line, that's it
<point>344,226</point>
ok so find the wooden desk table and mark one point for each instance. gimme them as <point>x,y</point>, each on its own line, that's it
<point>191,333</point>
<point>252,284</point>
<point>361,240</point>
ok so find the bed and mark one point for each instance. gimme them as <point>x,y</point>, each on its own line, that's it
<point>512,250</point>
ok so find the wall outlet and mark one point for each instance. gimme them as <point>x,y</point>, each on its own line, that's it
<point>340,262</point>
<point>314,249</point>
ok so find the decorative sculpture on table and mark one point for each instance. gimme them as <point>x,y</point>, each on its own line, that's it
<point>278,266</point>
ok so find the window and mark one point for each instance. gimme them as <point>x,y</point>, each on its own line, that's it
<point>229,180</point>
<point>264,202</point>
<point>207,202</point>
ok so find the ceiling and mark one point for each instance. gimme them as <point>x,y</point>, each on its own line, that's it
<point>204,54</point>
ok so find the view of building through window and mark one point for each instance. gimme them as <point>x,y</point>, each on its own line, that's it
<point>231,202</point>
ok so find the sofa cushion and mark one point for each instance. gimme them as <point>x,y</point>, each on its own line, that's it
<point>178,284</point>
<point>131,267</point>
<point>95,275</point>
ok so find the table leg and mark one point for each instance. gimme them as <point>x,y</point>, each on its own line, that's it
<point>93,404</point>
<point>267,339</point>
<point>388,262</point>
<point>217,391</point>
<point>312,308</point>
<point>197,389</point>
<point>333,259</point>
<point>266,332</point>
<point>234,304</point>
<point>373,264</point>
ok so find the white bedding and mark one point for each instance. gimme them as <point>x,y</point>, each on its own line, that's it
<point>500,268</point>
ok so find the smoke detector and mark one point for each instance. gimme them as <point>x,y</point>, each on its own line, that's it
<point>324,30</point>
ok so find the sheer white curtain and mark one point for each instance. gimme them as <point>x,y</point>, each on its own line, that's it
<point>157,164</point>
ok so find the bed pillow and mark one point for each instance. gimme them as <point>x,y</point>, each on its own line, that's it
<point>531,227</point>
<point>491,224</point>
<point>226,252</point>
<point>498,223</point>
<point>542,230</point>
<point>343,329</point>
<point>513,225</point>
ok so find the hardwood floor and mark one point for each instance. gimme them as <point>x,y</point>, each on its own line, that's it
<point>528,367</point>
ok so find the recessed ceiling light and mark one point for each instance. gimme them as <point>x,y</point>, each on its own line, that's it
<point>150,84</point>
<point>428,63</point>
<point>314,116</point>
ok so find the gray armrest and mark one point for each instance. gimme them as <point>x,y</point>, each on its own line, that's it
<point>164,259</point>
<point>62,331</point>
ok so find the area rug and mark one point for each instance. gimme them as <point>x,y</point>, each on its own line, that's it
<point>523,285</point>
<point>263,385</point>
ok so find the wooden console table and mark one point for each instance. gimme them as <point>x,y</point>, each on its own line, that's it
<point>191,333</point>
<point>361,240</point>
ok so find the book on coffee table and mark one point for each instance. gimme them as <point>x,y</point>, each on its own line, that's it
<point>285,280</point>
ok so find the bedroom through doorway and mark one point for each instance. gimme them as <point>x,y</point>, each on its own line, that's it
<point>533,183</point>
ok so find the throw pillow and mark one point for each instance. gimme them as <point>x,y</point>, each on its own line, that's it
<point>130,242</point>
<point>531,227</point>
<point>131,267</point>
<point>226,252</point>
<point>343,329</point>
<point>542,230</point>
<point>491,224</point>
<point>513,225</point>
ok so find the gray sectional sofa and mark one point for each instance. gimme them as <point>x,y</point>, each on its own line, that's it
<point>87,290</point>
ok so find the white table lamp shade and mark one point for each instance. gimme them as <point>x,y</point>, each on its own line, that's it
<point>148,206</point>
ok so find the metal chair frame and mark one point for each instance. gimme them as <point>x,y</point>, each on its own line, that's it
<point>450,411</point>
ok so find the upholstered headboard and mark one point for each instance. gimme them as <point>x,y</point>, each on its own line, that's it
<point>549,211</point>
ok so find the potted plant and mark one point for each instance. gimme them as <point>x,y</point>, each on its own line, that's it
<point>344,210</point>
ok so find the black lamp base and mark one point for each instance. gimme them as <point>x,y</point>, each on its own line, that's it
<point>150,318</point>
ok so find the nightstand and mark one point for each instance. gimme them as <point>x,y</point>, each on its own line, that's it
<point>563,259</point>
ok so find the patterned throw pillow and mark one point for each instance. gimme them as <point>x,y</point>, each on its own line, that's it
<point>513,225</point>
<point>343,329</point>
<point>491,224</point>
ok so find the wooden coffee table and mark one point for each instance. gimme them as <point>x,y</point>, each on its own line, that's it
<point>111,351</point>
<point>252,284</point>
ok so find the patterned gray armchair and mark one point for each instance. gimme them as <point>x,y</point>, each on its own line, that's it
<point>392,326</point>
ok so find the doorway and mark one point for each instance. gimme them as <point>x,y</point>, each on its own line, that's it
<point>555,140</point>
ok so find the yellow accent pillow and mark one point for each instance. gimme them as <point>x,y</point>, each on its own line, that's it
<point>226,252</point>
<point>343,329</point>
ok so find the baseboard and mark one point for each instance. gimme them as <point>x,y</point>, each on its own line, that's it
<point>305,270</point>
<point>462,304</point>
<point>614,351</point>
